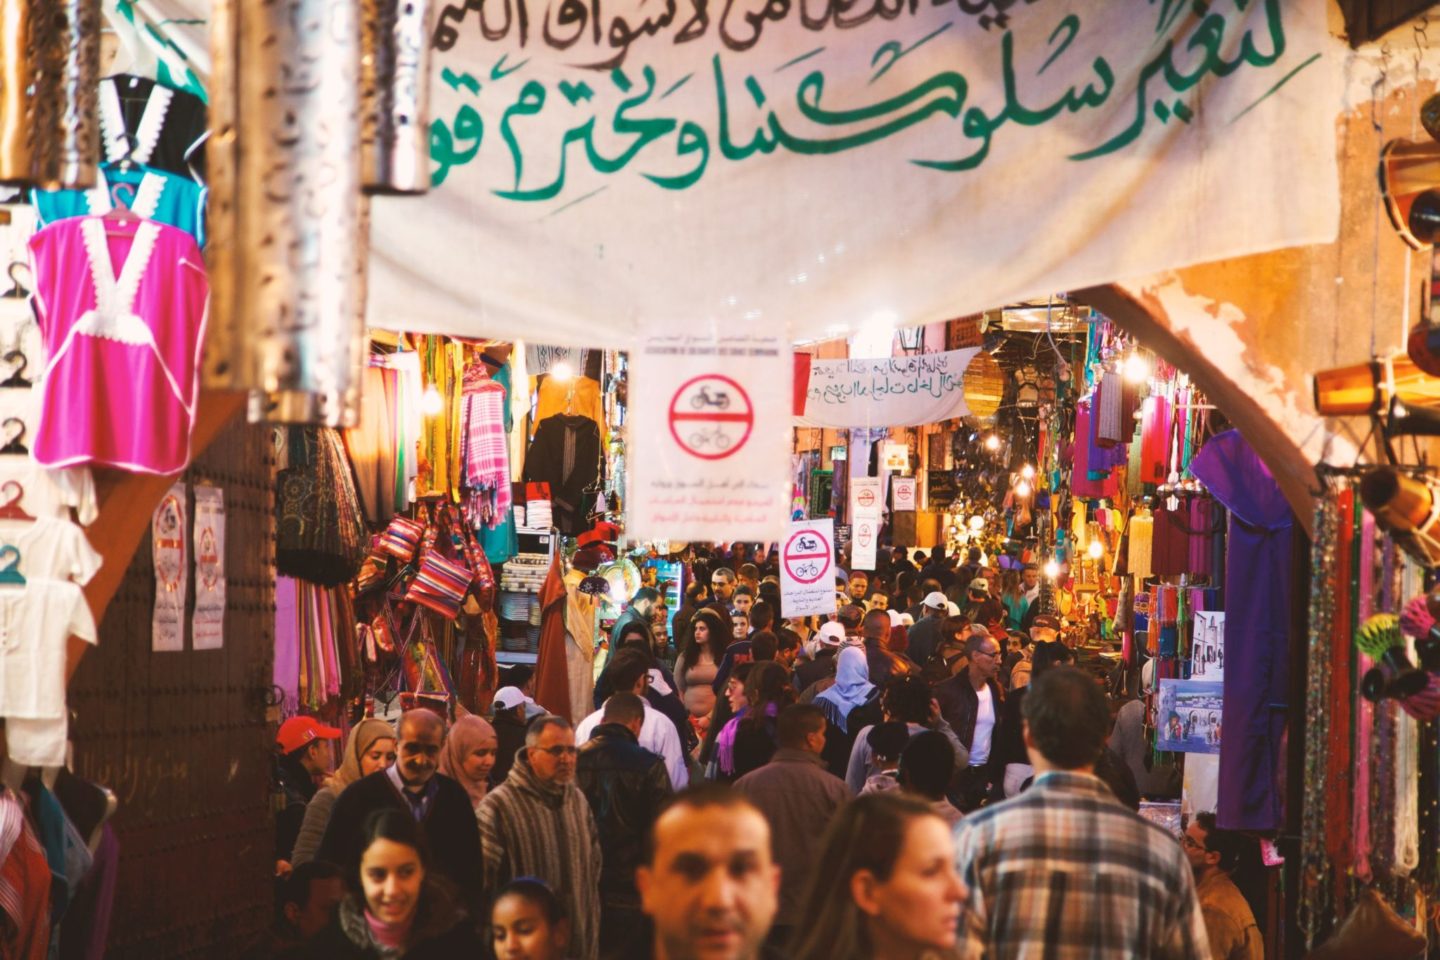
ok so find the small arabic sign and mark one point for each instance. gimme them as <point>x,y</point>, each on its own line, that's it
<point>807,569</point>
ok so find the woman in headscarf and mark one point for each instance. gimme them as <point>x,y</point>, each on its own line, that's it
<point>850,704</point>
<point>369,748</point>
<point>469,755</point>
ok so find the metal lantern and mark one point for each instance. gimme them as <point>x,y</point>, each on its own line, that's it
<point>394,87</point>
<point>49,86</point>
<point>289,309</point>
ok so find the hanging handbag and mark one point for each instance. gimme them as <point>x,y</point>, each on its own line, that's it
<point>483,585</point>
<point>401,538</point>
<point>373,570</point>
<point>441,582</point>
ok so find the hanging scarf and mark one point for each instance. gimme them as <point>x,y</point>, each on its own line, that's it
<point>484,447</point>
<point>362,737</point>
<point>852,687</point>
<point>468,734</point>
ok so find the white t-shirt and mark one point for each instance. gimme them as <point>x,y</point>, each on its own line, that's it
<point>984,727</point>
<point>50,549</point>
<point>36,623</point>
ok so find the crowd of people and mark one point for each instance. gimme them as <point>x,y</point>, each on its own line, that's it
<point>926,774</point>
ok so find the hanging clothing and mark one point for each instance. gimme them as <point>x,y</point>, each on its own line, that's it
<point>552,665</point>
<point>1257,630</point>
<point>484,447</point>
<point>501,542</point>
<point>37,621</point>
<point>51,549</point>
<point>442,362</point>
<point>151,122</point>
<point>1081,482</point>
<point>580,396</point>
<point>24,890</point>
<point>122,380</point>
<point>320,531</point>
<point>566,455</point>
<point>155,195</point>
<point>581,612</point>
<point>1155,439</point>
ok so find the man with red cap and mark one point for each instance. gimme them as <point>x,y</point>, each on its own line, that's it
<point>303,756</point>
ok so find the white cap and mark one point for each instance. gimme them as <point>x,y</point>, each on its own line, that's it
<point>935,599</point>
<point>508,698</point>
<point>907,620</point>
<point>953,607</point>
<point>895,618</point>
<point>831,634</point>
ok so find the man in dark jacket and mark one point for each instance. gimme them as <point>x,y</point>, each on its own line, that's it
<point>883,664</point>
<point>412,785</point>
<point>511,718</point>
<point>822,665</point>
<point>973,704</point>
<point>626,786</point>
<point>798,797</point>
<point>639,611</point>
<point>984,609</point>
<point>925,635</point>
<point>306,753</point>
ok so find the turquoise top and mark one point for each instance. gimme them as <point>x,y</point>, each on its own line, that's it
<point>153,194</point>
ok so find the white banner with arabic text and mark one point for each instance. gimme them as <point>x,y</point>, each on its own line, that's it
<point>607,169</point>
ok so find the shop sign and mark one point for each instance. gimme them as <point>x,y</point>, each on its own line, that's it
<point>208,630</point>
<point>708,447</point>
<point>862,547</point>
<point>807,569</point>
<point>902,493</point>
<point>623,160</point>
<point>895,457</point>
<point>866,498</point>
<point>172,570</point>
<point>887,391</point>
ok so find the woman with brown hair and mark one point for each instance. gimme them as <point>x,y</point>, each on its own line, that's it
<point>699,662</point>
<point>885,887</point>
<point>748,740</point>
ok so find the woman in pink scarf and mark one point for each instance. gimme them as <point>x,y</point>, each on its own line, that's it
<point>469,756</point>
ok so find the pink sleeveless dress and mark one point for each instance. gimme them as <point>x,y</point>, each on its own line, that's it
<point>122,378</point>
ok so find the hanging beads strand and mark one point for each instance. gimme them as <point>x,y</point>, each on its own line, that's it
<point>1315,864</point>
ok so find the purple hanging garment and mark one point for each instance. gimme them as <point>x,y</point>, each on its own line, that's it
<point>1257,631</point>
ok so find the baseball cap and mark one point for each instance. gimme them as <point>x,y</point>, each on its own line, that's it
<point>935,599</point>
<point>298,731</point>
<point>907,620</point>
<point>831,634</point>
<point>895,619</point>
<point>979,585</point>
<point>953,607</point>
<point>1046,621</point>
<point>508,698</point>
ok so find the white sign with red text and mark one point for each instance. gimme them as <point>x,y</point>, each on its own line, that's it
<point>807,569</point>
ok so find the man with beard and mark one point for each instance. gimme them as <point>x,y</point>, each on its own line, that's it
<point>1214,855</point>
<point>412,785</point>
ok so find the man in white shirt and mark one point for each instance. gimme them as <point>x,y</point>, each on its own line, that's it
<point>971,703</point>
<point>630,670</point>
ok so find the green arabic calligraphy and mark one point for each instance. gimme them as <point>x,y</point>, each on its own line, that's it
<point>611,139</point>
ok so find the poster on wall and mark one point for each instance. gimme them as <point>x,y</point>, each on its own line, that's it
<point>865,494</point>
<point>863,542</point>
<point>1188,720</point>
<point>902,494</point>
<point>895,457</point>
<point>709,451</point>
<point>1207,646</point>
<point>172,571</point>
<point>208,632</point>
<point>807,569</point>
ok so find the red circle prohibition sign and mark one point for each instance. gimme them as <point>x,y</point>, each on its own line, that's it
<point>703,406</point>
<point>807,556</point>
<point>866,497</point>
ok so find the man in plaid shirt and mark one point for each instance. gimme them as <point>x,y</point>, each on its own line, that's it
<point>1063,871</point>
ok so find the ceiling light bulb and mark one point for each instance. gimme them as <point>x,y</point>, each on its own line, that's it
<point>1028,472</point>
<point>431,403</point>
<point>1096,549</point>
<point>1051,569</point>
<point>1022,489</point>
<point>562,371</point>
<point>977,523</point>
<point>992,442</point>
<point>1137,369</point>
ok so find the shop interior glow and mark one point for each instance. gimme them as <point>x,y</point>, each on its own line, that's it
<point>1022,489</point>
<point>1137,369</point>
<point>992,442</point>
<point>562,372</point>
<point>1051,569</point>
<point>431,403</point>
<point>1028,472</point>
<point>1096,549</point>
<point>977,523</point>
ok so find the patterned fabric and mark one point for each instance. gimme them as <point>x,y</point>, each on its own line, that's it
<point>485,448</point>
<point>1064,871</point>
<point>529,828</point>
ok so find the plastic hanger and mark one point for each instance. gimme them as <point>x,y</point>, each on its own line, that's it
<point>18,290</point>
<point>15,444</point>
<point>10,566</point>
<point>11,509</point>
<point>17,377</point>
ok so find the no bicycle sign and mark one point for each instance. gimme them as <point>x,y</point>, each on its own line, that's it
<point>807,569</point>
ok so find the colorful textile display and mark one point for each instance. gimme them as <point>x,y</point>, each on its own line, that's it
<point>484,447</point>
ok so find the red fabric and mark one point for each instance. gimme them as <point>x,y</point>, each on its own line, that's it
<point>552,675</point>
<point>1155,440</point>
<point>802,382</point>
<point>25,897</point>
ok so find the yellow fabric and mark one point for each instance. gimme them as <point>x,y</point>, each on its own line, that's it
<point>442,363</point>
<point>555,398</point>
